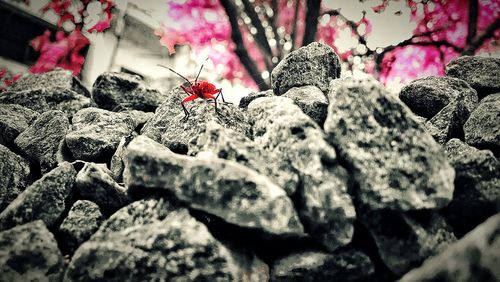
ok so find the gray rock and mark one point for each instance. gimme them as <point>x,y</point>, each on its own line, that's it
<point>245,101</point>
<point>83,220</point>
<point>95,183</point>
<point>429,95</point>
<point>231,145</point>
<point>177,248</point>
<point>45,99</point>
<point>117,164</point>
<point>315,64</point>
<point>311,101</point>
<point>56,79</point>
<point>138,213</point>
<point>223,188</point>
<point>113,89</point>
<point>45,199</point>
<point>289,136</point>
<point>343,265</point>
<point>40,141</point>
<point>29,253</point>
<point>474,258</point>
<point>483,74</point>
<point>477,183</point>
<point>139,117</point>
<point>96,133</point>
<point>448,123</point>
<point>14,176</point>
<point>14,119</point>
<point>482,129</point>
<point>397,165</point>
<point>404,241</point>
<point>169,127</point>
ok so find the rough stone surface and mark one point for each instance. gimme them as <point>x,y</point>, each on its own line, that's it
<point>406,240</point>
<point>14,176</point>
<point>14,119</point>
<point>289,136</point>
<point>40,141</point>
<point>477,183</point>
<point>223,188</point>
<point>177,248</point>
<point>95,183</point>
<point>44,99</point>
<point>117,164</point>
<point>245,101</point>
<point>449,122</point>
<point>429,95</point>
<point>474,258</point>
<point>231,145</point>
<point>83,220</point>
<point>112,90</point>
<point>170,127</point>
<point>45,199</point>
<point>56,79</point>
<point>140,117</point>
<point>96,133</point>
<point>29,253</point>
<point>482,129</point>
<point>483,74</point>
<point>311,101</point>
<point>395,162</point>
<point>342,265</point>
<point>315,64</point>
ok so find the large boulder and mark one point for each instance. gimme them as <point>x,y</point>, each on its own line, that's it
<point>315,64</point>
<point>95,183</point>
<point>396,164</point>
<point>114,90</point>
<point>474,258</point>
<point>45,199</point>
<point>96,133</point>
<point>236,194</point>
<point>311,101</point>
<point>14,176</point>
<point>84,218</point>
<point>29,253</point>
<point>477,182</point>
<point>347,264</point>
<point>483,74</point>
<point>404,241</point>
<point>175,248</point>
<point>482,129</point>
<point>289,136</point>
<point>14,119</point>
<point>429,95</point>
<point>170,127</point>
<point>56,79</point>
<point>40,141</point>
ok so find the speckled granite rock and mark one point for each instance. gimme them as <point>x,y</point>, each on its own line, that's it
<point>14,119</point>
<point>482,129</point>
<point>315,64</point>
<point>245,101</point>
<point>14,176</point>
<point>311,101</point>
<point>395,162</point>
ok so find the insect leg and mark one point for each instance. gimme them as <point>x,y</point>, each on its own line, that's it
<point>187,99</point>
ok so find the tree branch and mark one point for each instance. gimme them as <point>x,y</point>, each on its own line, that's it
<point>351,24</point>
<point>273,21</point>
<point>293,35</point>
<point>240,50</point>
<point>472,21</point>
<point>260,35</point>
<point>312,14</point>
<point>489,32</point>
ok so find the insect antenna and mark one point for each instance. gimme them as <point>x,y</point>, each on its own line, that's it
<point>199,72</point>
<point>190,84</point>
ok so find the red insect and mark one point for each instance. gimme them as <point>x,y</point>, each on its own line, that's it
<point>198,89</point>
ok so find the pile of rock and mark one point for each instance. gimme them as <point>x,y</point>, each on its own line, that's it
<point>319,179</point>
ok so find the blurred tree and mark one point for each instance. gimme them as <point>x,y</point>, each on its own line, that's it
<point>245,39</point>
